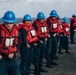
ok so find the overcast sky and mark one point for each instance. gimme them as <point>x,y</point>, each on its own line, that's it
<point>32,7</point>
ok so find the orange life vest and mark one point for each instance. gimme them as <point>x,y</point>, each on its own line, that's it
<point>74,21</point>
<point>31,33</point>
<point>53,25</point>
<point>66,28</point>
<point>9,40</point>
<point>60,29</point>
<point>42,29</point>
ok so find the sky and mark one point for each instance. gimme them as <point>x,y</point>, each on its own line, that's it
<point>32,7</point>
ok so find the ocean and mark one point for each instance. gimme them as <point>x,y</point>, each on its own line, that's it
<point>19,20</point>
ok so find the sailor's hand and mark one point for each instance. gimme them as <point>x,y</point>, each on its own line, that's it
<point>74,30</point>
<point>28,45</point>
<point>11,55</point>
<point>49,36</point>
<point>54,35</point>
<point>61,35</point>
<point>46,39</point>
<point>0,57</point>
<point>41,41</point>
<point>35,44</point>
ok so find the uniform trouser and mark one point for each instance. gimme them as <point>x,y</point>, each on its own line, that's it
<point>26,59</point>
<point>72,33</point>
<point>51,48</point>
<point>54,47</point>
<point>57,40</point>
<point>48,49</point>
<point>66,43</point>
<point>42,52</point>
<point>36,59</point>
<point>36,55</point>
<point>9,66</point>
<point>61,45</point>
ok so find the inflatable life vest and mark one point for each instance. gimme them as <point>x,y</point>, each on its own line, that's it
<point>66,28</point>
<point>53,25</point>
<point>60,29</point>
<point>31,33</point>
<point>8,40</point>
<point>42,29</point>
<point>72,19</point>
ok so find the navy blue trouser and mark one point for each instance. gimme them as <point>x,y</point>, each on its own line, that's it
<point>26,59</point>
<point>66,43</point>
<point>72,33</point>
<point>9,66</point>
<point>42,52</point>
<point>54,47</point>
<point>58,39</point>
<point>36,55</point>
<point>61,45</point>
<point>48,49</point>
<point>51,48</point>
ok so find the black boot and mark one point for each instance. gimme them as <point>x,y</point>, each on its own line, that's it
<point>54,63</point>
<point>22,74</point>
<point>73,42</point>
<point>48,65</point>
<point>67,52</point>
<point>37,70</point>
<point>60,52</point>
<point>42,69</point>
<point>28,74</point>
<point>55,58</point>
